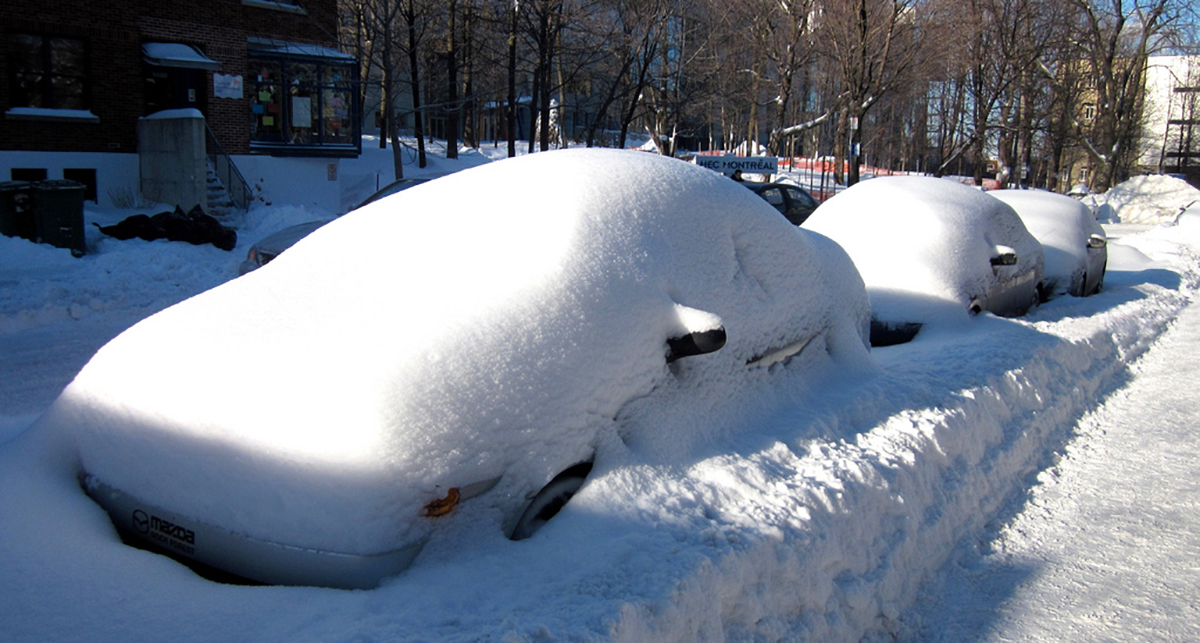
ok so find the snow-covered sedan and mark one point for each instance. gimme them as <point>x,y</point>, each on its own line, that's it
<point>932,249</point>
<point>1074,242</point>
<point>319,420</point>
<point>272,245</point>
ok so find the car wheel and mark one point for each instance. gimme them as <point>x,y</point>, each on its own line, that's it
<point>1100,282</point>
<point>550,500</point>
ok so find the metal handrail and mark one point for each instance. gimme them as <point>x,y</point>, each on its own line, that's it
<point>235,184</point>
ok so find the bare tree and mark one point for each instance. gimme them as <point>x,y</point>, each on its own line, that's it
<point>873,46</point>
<point>452,59</point>
<point>628,35</point>
<point>1115,39</point>
<point>374,24</point>
<point>791,47</point>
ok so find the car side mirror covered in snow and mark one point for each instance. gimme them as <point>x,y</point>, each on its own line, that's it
<point>1097,241</point>
<point>696,343</point>
<point>1005,259</point>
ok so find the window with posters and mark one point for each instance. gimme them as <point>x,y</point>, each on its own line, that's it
<point>302,100</point>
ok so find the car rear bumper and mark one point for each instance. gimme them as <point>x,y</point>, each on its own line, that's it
<point>250,558</point>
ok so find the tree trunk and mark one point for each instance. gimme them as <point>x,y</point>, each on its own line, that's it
<point>470,111</point>
<point>452,113</point>
<point>413,70</point>
<point>855,151</point>
<point>511,112</point>
<point>839,148</point>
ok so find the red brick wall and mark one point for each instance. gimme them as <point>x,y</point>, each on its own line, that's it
<point>114,31</point>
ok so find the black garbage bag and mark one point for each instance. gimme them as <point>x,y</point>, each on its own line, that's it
<point>194,227</point>
<point>138,226</point>
<point>209,230</point>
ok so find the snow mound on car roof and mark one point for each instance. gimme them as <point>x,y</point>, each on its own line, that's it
<point>491,323</point>
<point>1061,224</point>
<point>922,244</point>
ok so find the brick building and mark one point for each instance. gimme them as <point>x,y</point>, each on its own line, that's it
<point>265,74</point>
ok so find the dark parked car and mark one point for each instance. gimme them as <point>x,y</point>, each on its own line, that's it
<point>269,247</point>
<point>792,201</point>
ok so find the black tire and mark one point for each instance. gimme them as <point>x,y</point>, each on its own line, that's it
<point>550,500</point>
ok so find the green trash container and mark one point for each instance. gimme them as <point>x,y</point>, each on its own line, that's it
<point>58,212</point>
<point>16,210</point>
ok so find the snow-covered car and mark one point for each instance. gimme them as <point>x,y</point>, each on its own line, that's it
<point>792,201</point>
<point>319,420</point>
<point>269,247</point>
<point>1074,243</point>
<point>266,249</point>
<point>931,249</point>
<point>1079,191</point>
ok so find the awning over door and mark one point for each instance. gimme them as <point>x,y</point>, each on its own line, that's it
<point>267,47</point>
<point>175,54</point>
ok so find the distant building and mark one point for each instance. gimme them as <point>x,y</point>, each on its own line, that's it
<point>1170,136</point>
<point>265,75</point>
<point>1171,143</point>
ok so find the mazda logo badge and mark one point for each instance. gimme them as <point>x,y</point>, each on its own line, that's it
<point>141,522</point>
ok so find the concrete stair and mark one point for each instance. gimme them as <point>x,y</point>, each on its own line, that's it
<point>219,205</point>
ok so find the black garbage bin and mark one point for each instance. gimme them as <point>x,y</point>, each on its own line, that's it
<point>16,210</point>
<point>58,212</point>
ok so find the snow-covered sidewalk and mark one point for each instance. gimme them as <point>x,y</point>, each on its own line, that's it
<point>1106,549</point>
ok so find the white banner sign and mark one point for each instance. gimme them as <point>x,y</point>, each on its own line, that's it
<point>301,111</point>
<point>747,164</point>
<point>227,86</point>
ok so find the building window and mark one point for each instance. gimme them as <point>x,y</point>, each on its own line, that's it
<point>1089,112</point>
<point>28,173</point>
<point>48,72</point>
<point>302,97</point>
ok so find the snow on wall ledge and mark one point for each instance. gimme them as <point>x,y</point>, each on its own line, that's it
<point>834,531</point>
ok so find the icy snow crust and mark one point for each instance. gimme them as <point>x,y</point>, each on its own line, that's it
<point>812,520</point>
<point>1062,225</point>
<point>923,245</point>
<point>431,341</point>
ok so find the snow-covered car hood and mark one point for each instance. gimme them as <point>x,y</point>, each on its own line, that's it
<point>1063,226</point>
<point>923,245</point>
<point>325,399</point>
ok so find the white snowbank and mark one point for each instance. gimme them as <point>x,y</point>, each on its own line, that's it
<point>1153,198</point>
<point>149,275</point>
